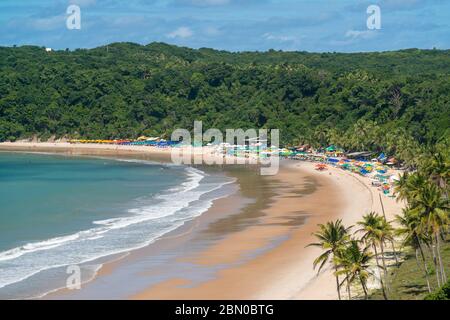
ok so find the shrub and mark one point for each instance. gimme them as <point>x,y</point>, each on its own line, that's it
<point>442,294</point>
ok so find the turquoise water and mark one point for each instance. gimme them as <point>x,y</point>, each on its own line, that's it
<point>43,196</point>
<point>57,211</point>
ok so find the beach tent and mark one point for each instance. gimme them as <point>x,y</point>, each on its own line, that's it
<point>345,166</point>
<point>382,157</point>
<point>359,155</point>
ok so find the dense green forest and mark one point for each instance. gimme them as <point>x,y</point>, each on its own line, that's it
<point>359,100</point>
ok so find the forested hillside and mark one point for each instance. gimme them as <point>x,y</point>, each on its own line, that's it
<point>360,100</point>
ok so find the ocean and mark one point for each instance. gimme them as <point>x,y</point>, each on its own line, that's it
<point>58,211</point>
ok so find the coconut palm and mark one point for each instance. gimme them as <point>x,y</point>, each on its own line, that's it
<point>401,187</point>
<point>409,186</point>
<point>416,183</point>
<point>438,169</point>
<point>321,135</point>
<point>414,235</point>
<point>332,237</point>
<point>434,210</point>
<point>387,235</point>
<point>354,263</point>
<point>370,227</point>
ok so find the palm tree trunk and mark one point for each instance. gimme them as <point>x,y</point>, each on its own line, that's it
<point>384,265</point>
<point>348,288</point>
<point>392,241</point>
<point>337,284</point>
<point>425,267</point>
<point>441,265</point>
<point>416,251</point>
<point>364,288</point>
<point>395,253</point>
<point>436,269</point>
<point>379,268</point>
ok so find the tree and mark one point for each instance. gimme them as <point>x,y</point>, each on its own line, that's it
<point>353,101</point>
<point>371,227</point>
<point>434,211</point>
<point>438,168</point>
<point>401,187</point>
<point>414,235</point>
<point>354,262</point>
<point>332,238</point>
<point>387,234</point>
<point>409,186</point>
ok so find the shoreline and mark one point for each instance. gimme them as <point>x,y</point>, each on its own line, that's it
<point>265,260</point>
<point>208,155</point>
<point>103,264</point>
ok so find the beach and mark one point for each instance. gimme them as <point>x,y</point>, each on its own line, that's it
<point>251,244</point>
<point>284,272</point>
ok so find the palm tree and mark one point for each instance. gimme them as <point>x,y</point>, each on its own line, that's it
<point>434,210</point>
<point>401,187</point>
<point>413,232</point>
<point>321,135</point>
<point>416,182</point>
<point>370,227</point>
<point>332,237</point>
<point>387,234</point>
<point>409,186</point>
<point>438,169</point>
<point>354,263</point>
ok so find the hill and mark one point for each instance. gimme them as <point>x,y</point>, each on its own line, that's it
<point>125,90</point>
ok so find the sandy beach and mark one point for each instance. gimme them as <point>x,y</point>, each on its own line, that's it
<point>249,245</point>
<point>284,272</point>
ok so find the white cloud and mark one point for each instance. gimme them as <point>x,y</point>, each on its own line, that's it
<point>360,34</point>
<point>181,32</point>
<point>281,38</point>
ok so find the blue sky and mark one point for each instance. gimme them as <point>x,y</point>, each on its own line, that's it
<point>236,25</point>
